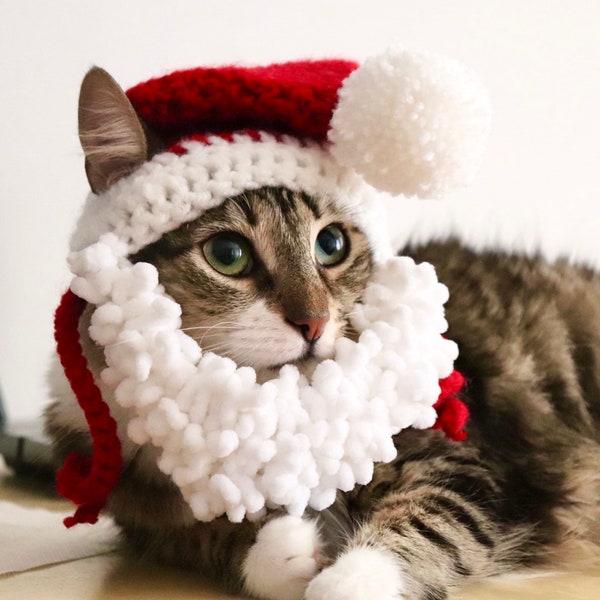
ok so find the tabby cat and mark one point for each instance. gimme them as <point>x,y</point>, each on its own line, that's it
<point>269,277</point>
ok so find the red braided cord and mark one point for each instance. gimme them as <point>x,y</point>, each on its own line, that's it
<point>86,482</point>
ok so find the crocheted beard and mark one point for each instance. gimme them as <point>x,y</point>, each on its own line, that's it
<point>401,123</point>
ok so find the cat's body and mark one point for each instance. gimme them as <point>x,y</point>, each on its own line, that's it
<point>522,488</point>
<point>276,287</point>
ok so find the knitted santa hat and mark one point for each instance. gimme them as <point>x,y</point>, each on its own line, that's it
<point>401,123</point>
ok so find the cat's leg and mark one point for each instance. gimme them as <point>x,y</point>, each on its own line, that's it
<point>274,561</point>
<point>377,566</point>
<point>428,521</point>
<point>386,563</point>
<point>361,573</point>
<point>284,558</point>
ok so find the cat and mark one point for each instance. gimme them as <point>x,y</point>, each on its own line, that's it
<point>523,488</point>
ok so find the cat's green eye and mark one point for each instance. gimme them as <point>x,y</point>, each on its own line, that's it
<point>229,254</point>
<point>331,246</point>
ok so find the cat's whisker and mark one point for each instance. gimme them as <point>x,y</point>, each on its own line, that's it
<point>331,516</point>
<point>216,347</point>
<point>216,328</point>
<point>212,332</point>
<point>239,355</point>
<point>222,324</point>
<point>225,326</point>
<point>223,349</point>
<point>230,326</point>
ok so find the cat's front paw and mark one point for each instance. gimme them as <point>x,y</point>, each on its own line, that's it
<point>364,573</point>
<point>283,559</point>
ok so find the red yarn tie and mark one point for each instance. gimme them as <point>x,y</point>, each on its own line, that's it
<point>85,481</point>
<point>452,412</point>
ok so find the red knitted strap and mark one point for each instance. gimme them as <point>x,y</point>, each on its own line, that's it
<point>297,98</point>
<point>86,482</point>
<point>452,412</point>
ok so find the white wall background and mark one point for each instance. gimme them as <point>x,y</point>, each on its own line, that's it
<point>540,60</point>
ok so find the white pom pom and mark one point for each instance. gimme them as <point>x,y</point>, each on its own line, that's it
<point>411,123</point>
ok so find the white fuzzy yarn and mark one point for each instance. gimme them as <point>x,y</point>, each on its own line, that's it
<point>170,190</point>
<point>234,446</point>
<point>411,123</point>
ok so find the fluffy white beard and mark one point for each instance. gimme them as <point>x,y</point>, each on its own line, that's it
<point>236,447</point>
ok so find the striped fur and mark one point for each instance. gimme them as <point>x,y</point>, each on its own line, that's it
<point>522,490</point>
<point>247,318</point>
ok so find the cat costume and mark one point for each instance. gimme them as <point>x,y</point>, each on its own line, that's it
<point>401,123</point>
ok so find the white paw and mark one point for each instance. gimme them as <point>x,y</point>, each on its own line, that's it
<point>364,573</point>
<point>283,559</point>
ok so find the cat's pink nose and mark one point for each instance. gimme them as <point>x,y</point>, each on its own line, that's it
<point>311,328</point>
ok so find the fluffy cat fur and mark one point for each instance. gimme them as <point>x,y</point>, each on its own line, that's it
<point>523,489</point>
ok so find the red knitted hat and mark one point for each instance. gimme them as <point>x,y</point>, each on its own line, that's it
<point>404,123</point>
<point>295,98</point>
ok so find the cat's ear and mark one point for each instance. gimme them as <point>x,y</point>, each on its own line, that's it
<point>113,138</point>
